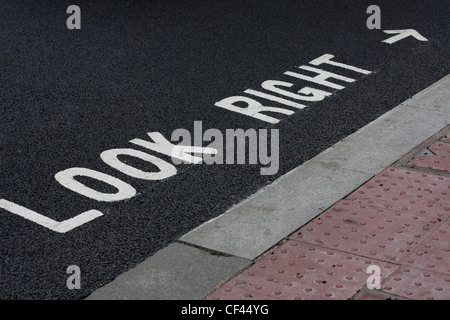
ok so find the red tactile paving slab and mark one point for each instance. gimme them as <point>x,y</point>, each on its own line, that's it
<point>368,231</point>
<point>418,284</point>
<point>446,138</point>
<point>302,271</point>
<point>439,161</point>
<point>406,190</point>
<point>434,253</point>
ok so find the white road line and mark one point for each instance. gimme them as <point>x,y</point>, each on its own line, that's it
<point>57,226</point>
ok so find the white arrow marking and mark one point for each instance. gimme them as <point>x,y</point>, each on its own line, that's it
<point>60,227</point>
<point>401,34</point>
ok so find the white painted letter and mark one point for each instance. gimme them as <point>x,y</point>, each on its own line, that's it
<point>309,94</point>
<point>252,109</point>
<point>275,98</point>
<point>321,78</point>
<point>162,145</point>
<point>60,227</point>
<point>326,58</point>
<point>110,157</point>
<point>66,179</point>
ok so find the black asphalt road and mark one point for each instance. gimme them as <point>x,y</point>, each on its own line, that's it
<point>155,66</point>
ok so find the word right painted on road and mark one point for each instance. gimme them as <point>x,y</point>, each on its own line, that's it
<point>275,91</point>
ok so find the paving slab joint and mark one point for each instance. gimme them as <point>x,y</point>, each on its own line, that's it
<point>209,250</point>
<point>422,150</point>
<point>375,294</point>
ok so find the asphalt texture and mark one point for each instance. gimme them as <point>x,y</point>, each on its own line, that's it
<point>156,66</point>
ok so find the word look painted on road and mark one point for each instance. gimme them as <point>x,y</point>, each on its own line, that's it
<point>67,178</point>
<point>181,153</point>
<point>184,153</point>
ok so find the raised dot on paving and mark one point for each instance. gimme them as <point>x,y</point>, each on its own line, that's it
<point>318,274</point>
<point>368,231</point>
<point>446,138</point>
<point>408,191</point>
<point>434,252</point>
<point>418,284</point>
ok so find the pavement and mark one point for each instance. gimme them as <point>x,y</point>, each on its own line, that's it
<point>367,219</point>
<point>80,187</point>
